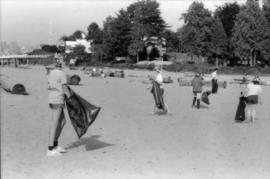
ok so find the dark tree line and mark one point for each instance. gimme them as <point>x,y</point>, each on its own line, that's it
<point>232,33</point>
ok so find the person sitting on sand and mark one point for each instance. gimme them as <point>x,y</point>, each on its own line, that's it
<point>197,83</point>
<point>57,90</point>
<point>252,94</point>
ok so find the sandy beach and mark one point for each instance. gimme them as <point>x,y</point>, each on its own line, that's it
<point>127,141</point>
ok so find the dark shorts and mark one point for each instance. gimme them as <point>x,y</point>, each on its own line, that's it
<point>252,99</point>
<point>56,106</point>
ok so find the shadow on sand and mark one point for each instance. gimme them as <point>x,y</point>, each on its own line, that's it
<point>90,143</point>
<point>203,106</point>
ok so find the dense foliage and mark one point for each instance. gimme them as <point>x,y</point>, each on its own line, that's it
<point>232,33</point>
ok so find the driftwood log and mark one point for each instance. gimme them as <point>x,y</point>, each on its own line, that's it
<point>167,80</point>
<point>12,86</point>
<point>73,79</point>
<point>187,82</point>
<point>117,74</point>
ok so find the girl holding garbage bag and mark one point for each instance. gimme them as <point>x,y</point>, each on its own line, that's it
<point>57,86</point>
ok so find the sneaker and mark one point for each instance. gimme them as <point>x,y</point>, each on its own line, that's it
<point>61,149</point>
<point>53,153</point>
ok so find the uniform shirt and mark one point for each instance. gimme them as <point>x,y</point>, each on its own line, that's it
<point>253,89</point>
<point>56,79</point>
<point>197,84</point>
<point>214,74</point>
<point>159,78</point>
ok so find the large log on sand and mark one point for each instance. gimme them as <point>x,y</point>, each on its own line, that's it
<point>12,86</point>
<point>187,82</point>
<point>73,79</point>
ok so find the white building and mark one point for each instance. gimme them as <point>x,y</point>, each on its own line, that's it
<point>83,41</point>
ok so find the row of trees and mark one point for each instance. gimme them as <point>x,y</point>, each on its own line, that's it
<point>122,35</point>
<point>231,32</point>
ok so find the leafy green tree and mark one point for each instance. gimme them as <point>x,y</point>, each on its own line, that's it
<point>227,14</point>
<point>218,40</point>
<point>172,41</point>
<point>50,48</point>
<point>77,34</point>
<point>117,35</point>
<point>266,9</point>
<point>95,33</point>
<point>145,18</point>
<point>146,14</point>
<point>79,50</point>
<point>196,33</point>
<point>250,32</point>
<point>180,39</point>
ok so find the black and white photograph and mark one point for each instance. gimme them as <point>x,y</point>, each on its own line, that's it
<point>135,89</point>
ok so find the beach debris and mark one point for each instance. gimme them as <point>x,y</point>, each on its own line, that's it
<point>167,79</point>
<point>12,86</point>
<point>188,82</point>
<point>94,72</point>
<point>117,74</point>
<point>73,79</point>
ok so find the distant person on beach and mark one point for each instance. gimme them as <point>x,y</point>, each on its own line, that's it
<point>253,91</point>
<point>72,61</point>
<point>57,90</point>
<point>214,81</point>
<point>157,90</point>
<point>159,78</point>
<point>245,78</point>
<point>197,83</point>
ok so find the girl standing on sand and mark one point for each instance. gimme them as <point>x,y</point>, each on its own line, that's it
<point>57,90</point>
<point>214,81</point>
<point>197,83</point>
<point>253,91</point>
<point>158,92</point>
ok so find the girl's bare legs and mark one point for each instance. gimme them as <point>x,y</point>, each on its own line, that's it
<point>60,126</point>
<point>57,123</point>
<point>248,112</point>
<point>253,108</point>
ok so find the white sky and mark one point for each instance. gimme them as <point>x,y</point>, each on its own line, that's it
<point>28,21</point>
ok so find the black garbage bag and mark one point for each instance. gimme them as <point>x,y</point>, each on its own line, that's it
<point>240,112</point>
<point>205,98</point>
<point>158,95</point>
<point>81,113</point>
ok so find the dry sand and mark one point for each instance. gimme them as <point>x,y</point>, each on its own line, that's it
<point>127,141</point>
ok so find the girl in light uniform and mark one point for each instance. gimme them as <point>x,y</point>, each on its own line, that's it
<point>253,91</point>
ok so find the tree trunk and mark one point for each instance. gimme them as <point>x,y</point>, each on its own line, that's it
<point>255,58</point>
<point>217,61</point>
<point>250,59</point>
